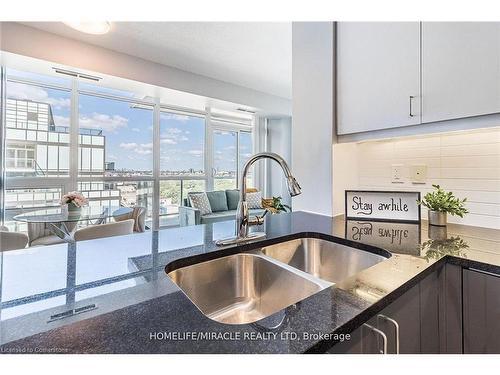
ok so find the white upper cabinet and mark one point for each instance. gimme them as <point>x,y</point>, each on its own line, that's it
<point>460,69</point>
<point>378,75</point>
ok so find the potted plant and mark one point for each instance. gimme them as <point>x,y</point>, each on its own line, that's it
<point>274,205</point>
<point>74,201</point>
<point>440,203</point>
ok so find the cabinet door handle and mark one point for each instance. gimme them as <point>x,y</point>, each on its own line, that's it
<point>382,334</point>
<point>396,327</point>
<point>411,109</point>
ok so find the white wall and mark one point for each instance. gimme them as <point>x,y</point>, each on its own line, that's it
<point>466,162</point>
<point>28,41</point>
<point>313,114</point>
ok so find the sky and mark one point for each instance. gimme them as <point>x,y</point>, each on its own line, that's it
<point>129,131</point>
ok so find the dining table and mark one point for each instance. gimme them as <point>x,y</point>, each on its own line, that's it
<point>63,222</point>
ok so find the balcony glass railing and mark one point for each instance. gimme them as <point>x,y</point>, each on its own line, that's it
<point>172,194</point>
<point>82,131</point>
<point>51,128</point>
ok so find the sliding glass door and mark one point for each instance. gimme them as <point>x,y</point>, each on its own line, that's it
<point>231,150</point>
<point>245,150</point>
<point>225,156</point>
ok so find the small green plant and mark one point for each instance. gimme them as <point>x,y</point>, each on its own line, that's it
<point>275,206</point>
<point>443,201</point>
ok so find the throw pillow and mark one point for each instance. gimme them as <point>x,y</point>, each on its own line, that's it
<point>254,200</point>
<point>233,197</point>
<point>218,200</point>
<point>200,202</point>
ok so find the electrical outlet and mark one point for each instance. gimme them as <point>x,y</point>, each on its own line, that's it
<point>418,173</point>
<point>397,173</point>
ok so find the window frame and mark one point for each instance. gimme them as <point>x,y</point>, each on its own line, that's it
<point>238,128</point>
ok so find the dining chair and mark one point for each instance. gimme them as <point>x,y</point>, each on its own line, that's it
<point>102,218</point>
<point>138,214</point>
<point>104,230</point>
<point>39,234</point>
<point>12,240</point>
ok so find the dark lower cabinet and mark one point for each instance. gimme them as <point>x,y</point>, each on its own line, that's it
<point>481,312</point>
<point>409,325</point>
<point>453,310</point>
<point>450,309</point>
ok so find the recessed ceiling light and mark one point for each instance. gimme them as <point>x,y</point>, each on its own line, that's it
<point>96,28</point>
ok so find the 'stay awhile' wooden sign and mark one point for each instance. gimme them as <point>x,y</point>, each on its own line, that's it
<point>398,206</point>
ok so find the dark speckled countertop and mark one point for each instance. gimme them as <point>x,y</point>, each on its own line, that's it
<point>113,296</point>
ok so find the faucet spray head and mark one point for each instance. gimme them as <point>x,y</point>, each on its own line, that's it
<point>293,186</point>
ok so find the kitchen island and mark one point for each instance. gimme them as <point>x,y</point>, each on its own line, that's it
<point>113,295</point>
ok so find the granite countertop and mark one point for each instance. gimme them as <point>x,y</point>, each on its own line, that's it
<point>113,295</point>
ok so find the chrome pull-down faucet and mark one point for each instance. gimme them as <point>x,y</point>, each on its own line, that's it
<point>243,220</point>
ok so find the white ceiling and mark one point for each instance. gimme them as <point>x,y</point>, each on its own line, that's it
<point>256,55</point>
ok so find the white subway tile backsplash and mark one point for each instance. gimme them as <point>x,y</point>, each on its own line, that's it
<point>480,196</point>
<point>405,153</point>
<point>379,150</point>
<point>433,173</point>
<point>464,184</point>
<point>468,150</point>
<point>471,173</point>
<point>467,163</point>
<point>488,161</point>
<point>471,137</point>
<point>378,172</point>
<point>477,220</point>
<point>425,142</point>
<point>430,162</point>
<point>483,208</point>
<point>375,181</point>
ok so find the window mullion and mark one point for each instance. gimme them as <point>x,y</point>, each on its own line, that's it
<point>238,172</point>
<point>209,154</point>
<point>74,135</point>
<point>3,143</point>
<point>156,165</point>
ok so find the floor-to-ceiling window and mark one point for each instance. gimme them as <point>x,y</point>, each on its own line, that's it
<point>182,160</point>
<point>120,148</point>
<point>225,159</point>
<point>37,142</point>
<point>116,137</point>
<point>115,148</point>
<point>232,147</point>
<point>245,150</point>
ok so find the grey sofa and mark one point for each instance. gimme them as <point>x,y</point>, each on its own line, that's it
<point>223,204</point>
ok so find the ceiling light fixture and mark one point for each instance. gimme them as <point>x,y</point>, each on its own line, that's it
<point>96,28</point>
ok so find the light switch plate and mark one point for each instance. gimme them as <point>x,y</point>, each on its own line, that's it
<point>418,173</point>
<point>397,173</point>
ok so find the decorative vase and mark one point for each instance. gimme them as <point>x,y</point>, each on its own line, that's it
<point>73,210</point>
<point>437,218</point>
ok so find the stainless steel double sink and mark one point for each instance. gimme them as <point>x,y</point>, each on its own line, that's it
<point>246,287</point>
